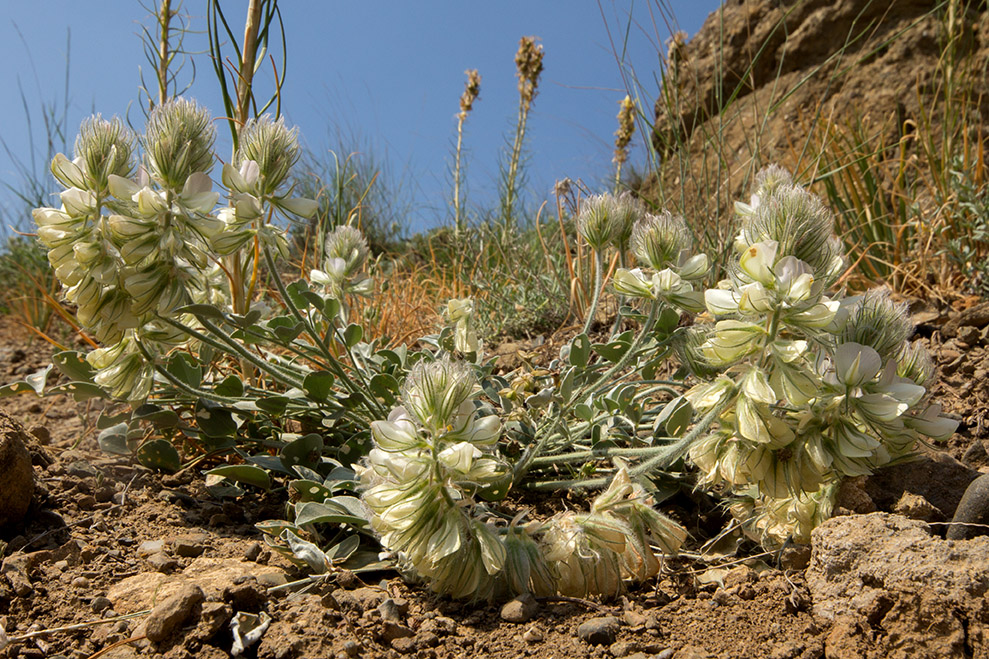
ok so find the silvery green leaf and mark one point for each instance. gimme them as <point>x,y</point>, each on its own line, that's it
<point>307,552</point>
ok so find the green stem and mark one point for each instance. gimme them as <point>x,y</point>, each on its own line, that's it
<point>598,454</point>
<point>660,460</point>
<point>592,310</point>
<point>374,407</point>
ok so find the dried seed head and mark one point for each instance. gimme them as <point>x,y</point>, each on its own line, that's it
<point>106,147</point>
<point>178,141</point>
<point>878,322</point>
<point>626,128</point>
<point>273,146</point>
<point>675,46</point>
<point>658,240</point>
<point>528,64</point>
<point>472,89</point>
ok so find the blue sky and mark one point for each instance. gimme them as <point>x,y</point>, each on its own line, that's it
<point>386,76</point>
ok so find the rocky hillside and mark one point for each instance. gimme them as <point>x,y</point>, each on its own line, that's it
<point>780,80</point>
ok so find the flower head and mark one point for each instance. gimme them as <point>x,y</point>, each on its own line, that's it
<point>878,322</point>
<point>178,141</point>
<point>435,393</point>
<point>659,240</point>
<point>104,148</point>
<point>596,221</point>
<point>273,146</point>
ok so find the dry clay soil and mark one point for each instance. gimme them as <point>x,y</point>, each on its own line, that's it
<point>106,538</point>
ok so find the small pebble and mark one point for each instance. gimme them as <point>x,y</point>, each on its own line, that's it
<point>80,582</point>
<point>149,547</point>
<point>533,634</point>
<point>100,604</point>
<point>161,563</point>
<point>599,631</point>
<point>520,609</point>
<point>252,552</point>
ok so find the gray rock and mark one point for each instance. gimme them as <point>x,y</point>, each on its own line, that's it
<point>16,472</point>
<point>170,615</point>
<point>100,604</point>
<point>390,611</point>
<point>599,631</point>
<point>521,609</point>
<point>972,509</point>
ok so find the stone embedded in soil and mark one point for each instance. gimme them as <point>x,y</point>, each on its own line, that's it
<point>885,572</point>
<point>534,634</point>
<point>391,631</point>
<point>213,575</point>
<point>150,547</point>
<point>972,509</point>
<point>190,545</point>
<point>391,611</point>
<point>245,595</point>
<point>520,609</point>
<point>599,631</point>
<point>163,563</point>
<point>16,472</point>
<point>170,615</point>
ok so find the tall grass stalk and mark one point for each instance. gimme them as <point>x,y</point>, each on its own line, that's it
<point>529,66</point>
<point>471,90</point>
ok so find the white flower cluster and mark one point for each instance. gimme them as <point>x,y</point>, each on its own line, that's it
<point>435,456</point>
<point>132,250</point>
<point>662,245</point>
<point>813,389</point>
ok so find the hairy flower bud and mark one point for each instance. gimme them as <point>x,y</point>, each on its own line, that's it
<point>105,148</point>
<point>659,240</point>
<point>273,146</point>
<point>627,211</point>
<point>596,221</point>
<point>435,391</point>
<point>178,142</point>
<point>797,221</point>
<point>878,322</point>
<point>349,245</point>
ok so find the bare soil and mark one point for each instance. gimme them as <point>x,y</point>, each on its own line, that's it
<point>106,538</point>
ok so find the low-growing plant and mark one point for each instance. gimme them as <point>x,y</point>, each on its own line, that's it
<point>788,392</point>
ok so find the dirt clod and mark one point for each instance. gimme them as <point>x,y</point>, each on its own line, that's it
<point>16,472</point>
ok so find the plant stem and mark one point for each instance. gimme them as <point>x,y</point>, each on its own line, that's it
<point>598,275</point>
<point>458,220</point>
<point>164,17</point>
